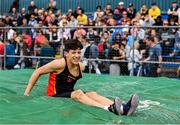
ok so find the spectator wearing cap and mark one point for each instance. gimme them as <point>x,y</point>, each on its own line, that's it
<point>173,11</point>
<point>82,18</point>
<point>154,11</point>
<point>121,7</point>
<point>131,11</point>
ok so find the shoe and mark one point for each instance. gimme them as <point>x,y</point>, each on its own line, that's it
<point>17,66</point>
<point>116,106</point>
<point>130,107</point>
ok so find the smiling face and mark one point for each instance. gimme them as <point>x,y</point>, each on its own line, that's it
<point>74,56</point>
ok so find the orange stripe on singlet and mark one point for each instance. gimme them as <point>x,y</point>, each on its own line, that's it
<point>51,89</point>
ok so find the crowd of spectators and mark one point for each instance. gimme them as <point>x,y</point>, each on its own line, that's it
<point>126,44</point>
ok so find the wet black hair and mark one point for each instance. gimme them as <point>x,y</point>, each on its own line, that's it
<point>72,44</point>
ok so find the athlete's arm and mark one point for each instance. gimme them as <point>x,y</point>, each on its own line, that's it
<point>82,67</point>
<point>54,65</point>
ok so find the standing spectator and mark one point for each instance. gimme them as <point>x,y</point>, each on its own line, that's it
<point>1,53</point>
<point>154,11</point>
<point>155,54</point>
<point>134,57</point>
<point>115,53</point>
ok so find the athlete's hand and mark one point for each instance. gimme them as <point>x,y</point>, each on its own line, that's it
<point>26,94</point>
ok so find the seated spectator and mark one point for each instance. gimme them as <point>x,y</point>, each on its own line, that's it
<point>73,23</point>
<point>108,9</point>
<point>121,7</point>
<point>131,11</point>
<point>176,50</point>
<point>148,21</point>
<point>173,11</point>
<point>47,51</point>
<point>31,8</point>
<point>65,31</point>
<point>116,15</point>
<point>125,19</point>
<point>98,12</point>
<point>158,21</point>
<point>40,39</point>
<point>24,30</point>
<point>154,11</point>
<point>23,15</point>
<point>79,32</point>
<point>138,33</point>
<point>32,23</point>
<point>52,6</point>
<point>69,14</point>
<point>15,4</point>
<point>82,18</point>
<point>143,11</point>
<point>167,38</point>
<point>137,19</point>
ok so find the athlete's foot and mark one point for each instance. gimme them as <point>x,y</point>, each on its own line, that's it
<point>116,106</point>
<point>130,107</point>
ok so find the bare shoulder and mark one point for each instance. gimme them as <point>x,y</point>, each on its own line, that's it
<point>58,63</point>
<point>82,67</point>
<point>55,65</point>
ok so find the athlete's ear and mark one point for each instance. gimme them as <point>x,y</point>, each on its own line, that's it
<point>65,53</point>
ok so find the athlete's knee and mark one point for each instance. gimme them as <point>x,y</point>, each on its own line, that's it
<point>77,94</point>
<point>91,94</point>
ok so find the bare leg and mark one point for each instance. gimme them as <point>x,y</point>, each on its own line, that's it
<point>80,96</point>
<point>100,99</point>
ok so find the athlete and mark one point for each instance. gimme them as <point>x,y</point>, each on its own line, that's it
<point>66,71</point>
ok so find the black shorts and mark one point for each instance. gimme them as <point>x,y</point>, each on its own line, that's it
<point>64,94</point>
